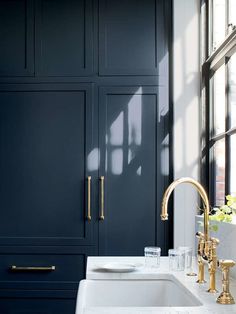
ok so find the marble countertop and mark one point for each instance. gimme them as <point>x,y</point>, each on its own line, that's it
<point>207,299</point>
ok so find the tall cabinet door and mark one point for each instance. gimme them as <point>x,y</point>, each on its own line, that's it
<point>45,137</point>
<point>134,168</point>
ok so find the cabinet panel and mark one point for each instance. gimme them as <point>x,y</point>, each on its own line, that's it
<point>16,37</point>
<point>131,40</point>
<point>69,270</point>
<point>37,306</point>
<point>135,164</point>
<point>64,37</point>
<point>45,135</point>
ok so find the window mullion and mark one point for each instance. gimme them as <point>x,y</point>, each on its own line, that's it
<point>227,127</point>
<point>226,17</point>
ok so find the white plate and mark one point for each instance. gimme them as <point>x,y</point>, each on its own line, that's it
<point>119,267</point>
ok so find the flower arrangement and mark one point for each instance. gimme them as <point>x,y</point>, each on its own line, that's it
<point>224,213</point>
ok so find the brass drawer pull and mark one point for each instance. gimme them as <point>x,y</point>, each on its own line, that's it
<point>32,268</point>
<point>89,199</point>
<point>102,217</point>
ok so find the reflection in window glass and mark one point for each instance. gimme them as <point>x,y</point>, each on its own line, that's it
<point>232,12</point>
<point>233,165</point>
<point>219,170</point>
<point>232,90</point>
<point>219,100</point>
<point>218,22</point>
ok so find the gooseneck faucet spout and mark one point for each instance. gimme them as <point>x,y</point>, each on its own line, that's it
<point>206,246</point>
<point>206,251</point>
<point>201,191</point>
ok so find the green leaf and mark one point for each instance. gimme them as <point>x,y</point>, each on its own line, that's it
<point>226,209</point>
<point>228,218</point>
<point>214,228</point>
<point>224,213</point>
<point>231,200</point>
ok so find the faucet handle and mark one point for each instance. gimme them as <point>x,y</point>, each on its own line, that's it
<point>215,241</point>
<point>199,234</point>
<point>209,252</point>
<point>225,297</point>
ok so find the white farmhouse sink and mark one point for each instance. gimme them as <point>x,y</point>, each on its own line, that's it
<point>163,292</point>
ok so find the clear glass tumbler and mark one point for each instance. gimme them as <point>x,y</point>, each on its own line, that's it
<point>152,256</point>
<point>176,260</point>
<point>188,253</point>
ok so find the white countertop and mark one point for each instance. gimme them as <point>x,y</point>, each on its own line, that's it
<point>207,299</point>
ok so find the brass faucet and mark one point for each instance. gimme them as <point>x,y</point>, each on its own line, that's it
<point>206,246</point>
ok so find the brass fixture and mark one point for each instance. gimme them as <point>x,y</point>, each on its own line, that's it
<point>225,297</point>
<point>102,217</point>
<point>89,199</point>
<point>32,268</point>
<point>212,263</point>
<point>200,251</point>
<point>206,246</point>
<point>201,191</point>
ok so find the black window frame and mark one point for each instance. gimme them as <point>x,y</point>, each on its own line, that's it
<point>211,61</point>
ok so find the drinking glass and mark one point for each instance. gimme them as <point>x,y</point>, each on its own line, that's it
<point>152,256</point>
<point>176,260</point>
<point>188,253</point>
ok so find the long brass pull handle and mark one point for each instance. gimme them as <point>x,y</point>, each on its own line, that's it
<point>32,268</point>
<point>89,199</point>
<point>102,217</point>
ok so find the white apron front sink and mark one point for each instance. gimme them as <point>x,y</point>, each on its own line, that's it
<point>163,292</point>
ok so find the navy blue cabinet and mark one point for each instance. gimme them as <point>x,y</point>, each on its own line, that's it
<point>64,37</point>
<point>132,37</point>
<point>32,302</point>
<point>84,142</point>
<point>17,37</point>
<point>46,135</point>
<point>134,163</point>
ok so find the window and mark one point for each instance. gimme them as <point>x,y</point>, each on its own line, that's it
<point>219,98</point>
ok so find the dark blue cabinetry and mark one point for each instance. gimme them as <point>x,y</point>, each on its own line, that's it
<point>134,161</point>
<point>84,93</point>
<point>35,302</point>
<point>132,37</point>
<point>64,37</point>
<point>17,37</point>
<point>46,134</point>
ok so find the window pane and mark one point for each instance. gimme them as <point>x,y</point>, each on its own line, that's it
<point>218,22</point>
<point>219,171</point>
<point>219,100</point>
<point>232,12</point>
<point>233,164</point>
<point>232,90</point>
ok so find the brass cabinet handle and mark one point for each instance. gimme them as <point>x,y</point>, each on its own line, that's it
<point>32,268</point>
<point>102,217</point>
<point>89,199</point>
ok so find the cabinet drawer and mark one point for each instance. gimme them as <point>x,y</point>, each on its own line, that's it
<point>37,306</point>
<point>41,271</point>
